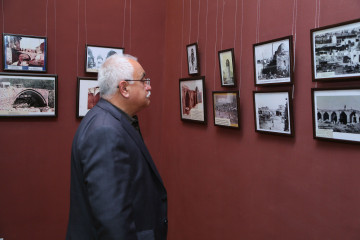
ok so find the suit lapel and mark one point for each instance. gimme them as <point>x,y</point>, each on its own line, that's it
<point>133,133</point>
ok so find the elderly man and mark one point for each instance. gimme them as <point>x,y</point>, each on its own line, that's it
<point>116,191</point>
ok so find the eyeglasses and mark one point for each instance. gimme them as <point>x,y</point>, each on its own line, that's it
<point>145,81</point>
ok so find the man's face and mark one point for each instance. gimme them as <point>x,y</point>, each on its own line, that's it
<point>139,90</point>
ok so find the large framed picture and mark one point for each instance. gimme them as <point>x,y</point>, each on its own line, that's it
<point>96,55</point>
<point>273,112</point>
<point>24,53</point>
<point>226,108</point>
<point>193,59</point>
<point>336,114</point>
<point>88,94</point>
<point>273,62</point>
<point>192,99</point>
<point>227,67</point>
<point>28,95</point>
<point>335,52</point>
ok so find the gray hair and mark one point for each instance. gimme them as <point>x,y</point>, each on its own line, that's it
<point>115,69</point>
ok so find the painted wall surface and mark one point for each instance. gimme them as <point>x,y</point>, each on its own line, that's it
<point>222,183</point>
<point>238,184</point>
<point>35,153</point>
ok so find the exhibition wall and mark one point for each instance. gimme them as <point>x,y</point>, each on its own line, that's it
<point>222,183</point>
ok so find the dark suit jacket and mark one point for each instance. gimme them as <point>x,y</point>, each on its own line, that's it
<point>116,191</point>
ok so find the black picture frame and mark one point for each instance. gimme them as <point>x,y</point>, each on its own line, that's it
<point>226,108</point>
<point>227,67</point>
<point>335,54</point>
<point>273,62</point>
<point>87,95</point>
<point>336,114</point>
<point>193,63</point>
<point>193,99</point>
<point>23,53</point>
<point>95,55</point>
<point>28,95</point>
<point>273,112</point>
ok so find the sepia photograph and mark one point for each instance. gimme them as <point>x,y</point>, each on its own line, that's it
<point>273,112</point>
<point>192,99</point>
<point>336,114</point>
<point>226,109</point>
<point>96,55</point>
<point>227,67</point>
<point>193,59</point>
<point>28,95</point>
<point>24,53</point>
<point>273,62</point>
<point>335,53</point>
<point>88,94</point>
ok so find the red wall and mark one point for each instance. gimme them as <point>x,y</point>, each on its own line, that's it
<point>238,184</point>
<point>222,183</point>
<point>35,153</point>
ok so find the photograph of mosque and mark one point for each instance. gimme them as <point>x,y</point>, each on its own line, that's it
<point>336,51</point>
<point>227,67</point>
<point>273,61</point>
<point>336,114</point>
<point>192,99</point>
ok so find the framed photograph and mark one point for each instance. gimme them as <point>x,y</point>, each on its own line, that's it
<point>88,94</point>
<point>226,109</point>
<point>273,112</point>
<point>227,68</point>
<point>192,99</point>
<point>28,95</point>
<point>96,55</point>
<point>335,52</point>
<point>273,62</point>
<point>193,59</point>
<point>24,53</point>
<point>336,114</point>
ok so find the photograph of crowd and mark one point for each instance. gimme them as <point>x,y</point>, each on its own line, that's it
<point>88,95</point>
<point>227,67</point>
<point>337,114</point>
<point>192,99</point>
<point>336,51</point>
<point>273,61</point>
<point>24,53</point>
<point>226,109</point>
<point>96,55</point>
<point>32,95</point>
<point>272,112</point>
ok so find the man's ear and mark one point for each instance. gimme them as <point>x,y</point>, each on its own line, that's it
<point>123,89</point>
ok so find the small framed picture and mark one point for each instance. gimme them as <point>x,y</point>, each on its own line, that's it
<point>88,94</point>
<point>24,53</point>
<point>96,55</point>
<point>273,62</point>
<point>28,95</point>
<point>227,68</point>
<point>193,59</point>
<point>192,99</point>
<point>226,109</point>
<point>335,52</point>
<point>336,114</point>
<point>273,112</point>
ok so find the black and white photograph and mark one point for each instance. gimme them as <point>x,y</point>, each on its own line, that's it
<point>96,55</point>
<point>193,59</point>
<point>24,53</point>
<point>192,99</point>
<point>273,62</point>
<point>227,67</point>
<point>88,94</point>
<point>28,95</point>
<point>336,114</point>
<point>226,109</point>
<point>273,112</point>
<point>335,53</point>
